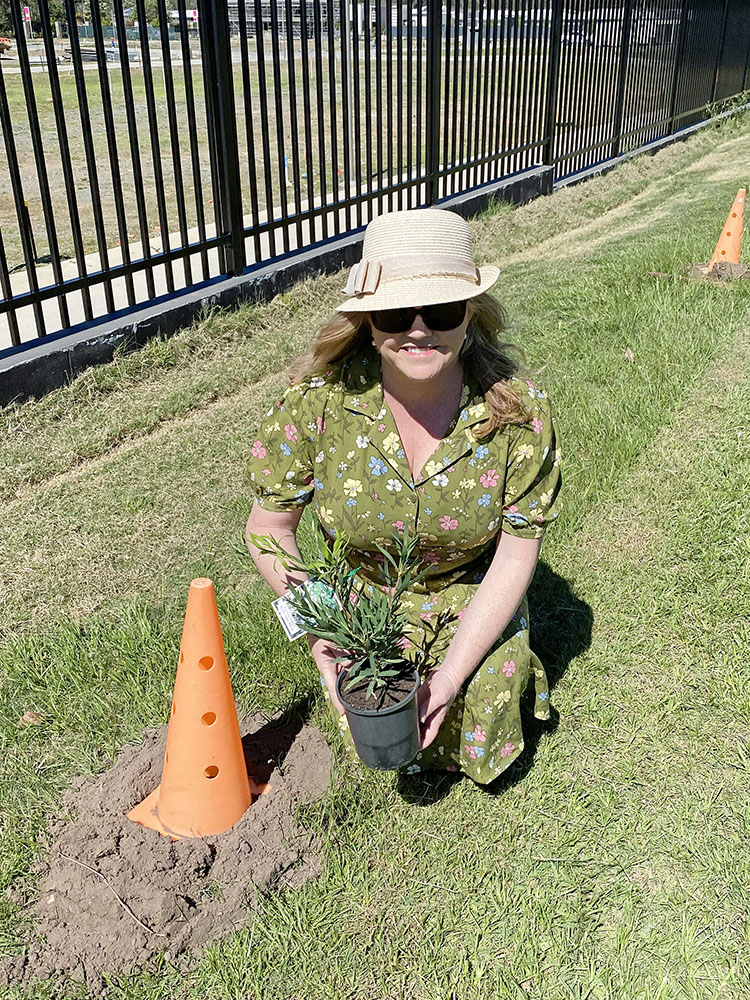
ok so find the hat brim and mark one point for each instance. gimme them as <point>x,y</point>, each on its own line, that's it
<point>405,292</point>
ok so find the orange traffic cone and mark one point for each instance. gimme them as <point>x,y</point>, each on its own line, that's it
<point>204,786</point>
<point>728,247</point>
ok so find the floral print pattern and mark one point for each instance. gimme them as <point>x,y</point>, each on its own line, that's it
<point>332,441</point>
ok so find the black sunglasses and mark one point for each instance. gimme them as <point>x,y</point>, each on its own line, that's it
<point>444,316</point>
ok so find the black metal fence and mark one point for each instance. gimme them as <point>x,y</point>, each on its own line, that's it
<point>132,169</point>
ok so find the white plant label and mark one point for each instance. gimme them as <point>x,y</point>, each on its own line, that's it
<point>287,614</point>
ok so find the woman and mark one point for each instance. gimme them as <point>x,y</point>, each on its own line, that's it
<point>407,412</point>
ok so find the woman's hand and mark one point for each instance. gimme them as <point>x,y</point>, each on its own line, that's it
<point>435,697</point>
<point>325,656</point>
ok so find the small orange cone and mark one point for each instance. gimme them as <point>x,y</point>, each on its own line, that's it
<point>204,786</point>
<point>728,247</point>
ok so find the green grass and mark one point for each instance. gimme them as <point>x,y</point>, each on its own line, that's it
<point>611,862</point>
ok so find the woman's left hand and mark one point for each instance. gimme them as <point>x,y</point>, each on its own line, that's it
<point>436,695</point>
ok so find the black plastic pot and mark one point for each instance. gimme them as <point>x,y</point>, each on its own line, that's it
<point>387,738</point>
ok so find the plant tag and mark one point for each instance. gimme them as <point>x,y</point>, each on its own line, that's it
<point>287,615</point>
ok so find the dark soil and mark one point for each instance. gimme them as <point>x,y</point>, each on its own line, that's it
<point>385,697</point>
<point>174,895</point>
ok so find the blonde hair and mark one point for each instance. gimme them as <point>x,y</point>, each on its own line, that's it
<point>490,360</point>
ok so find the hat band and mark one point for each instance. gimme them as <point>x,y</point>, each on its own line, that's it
<point>365,277</point>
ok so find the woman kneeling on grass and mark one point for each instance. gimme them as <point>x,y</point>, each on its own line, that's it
<point>407,413</point>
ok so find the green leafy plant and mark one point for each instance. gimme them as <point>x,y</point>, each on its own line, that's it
<point>368,625</point>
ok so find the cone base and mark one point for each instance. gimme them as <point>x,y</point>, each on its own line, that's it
<point>146,813</point>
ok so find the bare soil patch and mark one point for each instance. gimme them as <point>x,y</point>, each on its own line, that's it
<point>112,894</point>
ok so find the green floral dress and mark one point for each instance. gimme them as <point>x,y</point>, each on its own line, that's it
<point>332,440</point>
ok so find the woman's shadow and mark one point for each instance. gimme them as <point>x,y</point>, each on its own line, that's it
<point>561,626</point>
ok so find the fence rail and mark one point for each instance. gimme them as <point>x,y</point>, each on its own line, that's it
<point>138,164</point>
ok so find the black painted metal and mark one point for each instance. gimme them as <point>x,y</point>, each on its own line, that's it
<point>397,105</point>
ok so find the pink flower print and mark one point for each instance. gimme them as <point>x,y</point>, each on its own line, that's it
<point>448,523</point>
<point>381,427</point>
<point>507,750</point>
<point>257,450</point>
<point>404,643</point>
<point>354,598</point>
<point>320,424</point>
<point>431,558</point>
<point>512,510</point>
<point>480,734</point>
<point>489,479</point>
<point>426,615</point>
<point>537,425</point>
<point>291,433</point>
<point>399,526</point>
<point>509,668</point>
<point>471,751</point>
<point>266,472</point>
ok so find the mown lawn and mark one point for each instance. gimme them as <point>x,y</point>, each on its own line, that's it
<point>612,860</point>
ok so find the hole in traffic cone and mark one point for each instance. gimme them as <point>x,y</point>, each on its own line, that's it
<point>205,787</point>
<point>730,241</point>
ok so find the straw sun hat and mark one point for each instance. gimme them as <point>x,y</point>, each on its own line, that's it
<point>417,258</point>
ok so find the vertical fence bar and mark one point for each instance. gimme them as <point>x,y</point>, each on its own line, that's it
<point>678,57</point>
<point>187,73</point>
<point>264,124</point>
<point>400,105</point>
<point>153,128</point>
<point>379,101</point>
<point>7,290</point>
<point>291,66</point>
<point>65,157</point>
<point>335,170</point>
<point>411,190</point>
<point>368,106</point>
<point>720,53</point>
<point>114,156</point>
<point>247,92</point>
<point>307,112</point>
<point>279,116</point>
<point>432,96</point>
<point>220,93</point>
<point>88,145</point>
<point>345,38</point>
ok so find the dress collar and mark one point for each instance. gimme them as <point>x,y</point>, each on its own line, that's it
<point>363,394</point>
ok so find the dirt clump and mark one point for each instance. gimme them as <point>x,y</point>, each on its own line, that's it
<point>113,894</point>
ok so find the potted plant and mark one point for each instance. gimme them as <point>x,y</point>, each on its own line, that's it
<point>378,687</point>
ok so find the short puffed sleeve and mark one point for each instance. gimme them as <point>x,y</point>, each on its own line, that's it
<point>533,478</point>
<point>280,467</point>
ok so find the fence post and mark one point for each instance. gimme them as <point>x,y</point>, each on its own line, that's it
<point>553,76</point>
<point>678,57</point>
<point>717,68</point>
<point>432,101</point>
<point>216,55</point>
<point>627,24</point>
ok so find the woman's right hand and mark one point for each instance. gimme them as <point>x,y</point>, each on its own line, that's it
<point>325,656</point>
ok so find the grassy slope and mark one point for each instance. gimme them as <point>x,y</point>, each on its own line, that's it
<point>615,867</point>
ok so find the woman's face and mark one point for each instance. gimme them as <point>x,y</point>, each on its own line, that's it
<point>419,352</point>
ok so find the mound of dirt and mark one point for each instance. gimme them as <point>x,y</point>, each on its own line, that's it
<point>112,894</point>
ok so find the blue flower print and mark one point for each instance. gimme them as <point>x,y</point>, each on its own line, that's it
<point>400,454</point>
<point>318,485</point>
<point>377,466</point>
<point>427,511</point>
<point>484,500</point>
<point>469,737</point>
<point>523,623</point>
<point>543,696</point>
<point>351,502</point>
<point>490,670</point>
<point>286,450</point>
<point>472,461</point>
<point>516,519</point>
<point>427,606</point>
<point>533,504</point>
<point>480,751</point>
<point>482,451</point>
<point>381,516</point>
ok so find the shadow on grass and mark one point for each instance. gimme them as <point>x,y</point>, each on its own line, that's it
<point>266,748</point>
<point>561,627</point>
